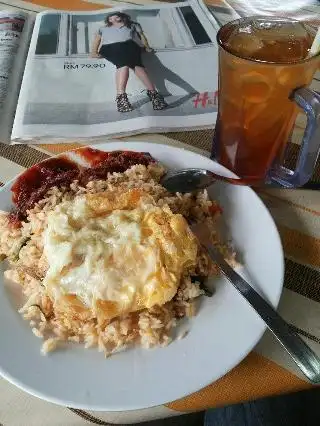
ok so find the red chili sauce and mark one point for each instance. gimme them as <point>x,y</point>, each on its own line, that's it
<point>35,182</point>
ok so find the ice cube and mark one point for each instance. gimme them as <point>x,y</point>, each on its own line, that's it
<point>244,44</point>
<point>274,40</point>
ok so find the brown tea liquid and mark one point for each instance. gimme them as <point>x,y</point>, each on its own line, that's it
<point>260,64</point>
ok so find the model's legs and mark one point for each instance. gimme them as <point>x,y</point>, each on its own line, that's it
<point>142,75</point>
<point>122,76</point>
<point>155,97</point>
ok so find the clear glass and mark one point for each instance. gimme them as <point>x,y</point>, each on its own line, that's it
<point>262,60</point>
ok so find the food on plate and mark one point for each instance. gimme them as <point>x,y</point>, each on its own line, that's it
<point>103,253</point>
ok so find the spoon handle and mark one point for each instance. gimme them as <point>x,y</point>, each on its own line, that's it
<point>252,181</point>
<point>302,354</point>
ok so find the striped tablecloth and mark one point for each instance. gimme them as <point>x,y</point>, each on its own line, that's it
<point>267,370</point>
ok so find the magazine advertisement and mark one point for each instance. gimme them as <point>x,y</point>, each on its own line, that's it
<point>119,71</point>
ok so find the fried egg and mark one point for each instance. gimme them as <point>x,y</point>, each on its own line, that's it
<point>116,253</point>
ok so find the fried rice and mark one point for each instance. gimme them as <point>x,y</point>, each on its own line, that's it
<point>24,248</point>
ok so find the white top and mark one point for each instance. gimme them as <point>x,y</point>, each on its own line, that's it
<point>115,34</point>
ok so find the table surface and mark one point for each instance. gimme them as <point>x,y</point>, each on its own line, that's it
<point>267,370</point>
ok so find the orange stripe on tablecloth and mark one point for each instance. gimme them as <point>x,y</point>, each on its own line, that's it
<point>68,4</point>
<point>255,377</point>
<point>56,149</point>
<point>300,247</point>
<point>290,203</point>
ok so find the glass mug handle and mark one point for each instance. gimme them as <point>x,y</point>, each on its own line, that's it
<point>309,101</point>
<point>279,175</point>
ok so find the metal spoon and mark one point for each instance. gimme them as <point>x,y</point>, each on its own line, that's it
<point>188,180</point>
<point>305,358</point>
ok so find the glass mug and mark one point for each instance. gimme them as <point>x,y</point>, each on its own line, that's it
<point>264,71</point>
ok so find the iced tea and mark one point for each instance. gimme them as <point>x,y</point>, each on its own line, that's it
<point>261,62</point>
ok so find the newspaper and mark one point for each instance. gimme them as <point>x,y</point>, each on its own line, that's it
<point>67,91</point>
<point>15,29</point>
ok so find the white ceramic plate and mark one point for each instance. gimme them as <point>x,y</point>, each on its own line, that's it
<point>220,336</point>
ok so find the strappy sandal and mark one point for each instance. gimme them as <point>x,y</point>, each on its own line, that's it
<point>123,104</point>
<point>158,102</point>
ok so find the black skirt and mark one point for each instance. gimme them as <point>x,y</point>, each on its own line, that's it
<point>123,54</point>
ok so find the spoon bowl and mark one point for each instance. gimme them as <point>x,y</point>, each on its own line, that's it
<point>187,180</point>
